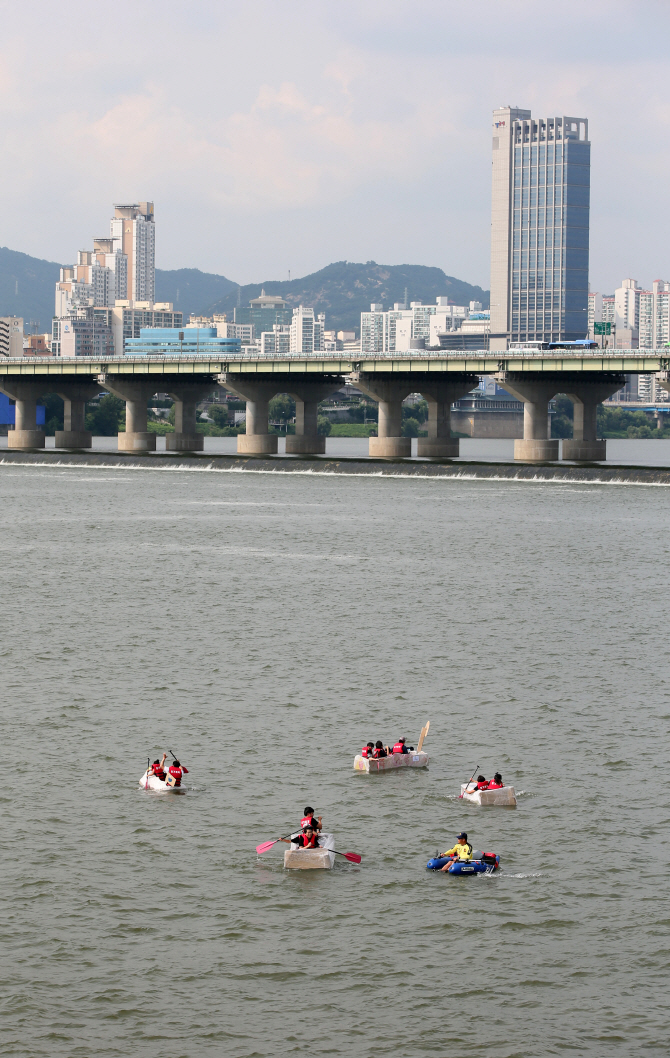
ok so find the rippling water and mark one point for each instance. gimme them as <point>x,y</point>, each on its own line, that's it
<point>264,627</point>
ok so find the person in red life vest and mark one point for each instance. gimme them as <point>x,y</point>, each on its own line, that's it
<point>309,839</point>
<point>400,746</point>
<point>308,820</point>
<point>367,750</point>
<point>482,783</point>
<point>157,768</point>
<point>379,750</point>
<point>496,782</point>
<point>175,773</point>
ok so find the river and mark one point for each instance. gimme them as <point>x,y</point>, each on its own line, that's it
<point>264,627</point>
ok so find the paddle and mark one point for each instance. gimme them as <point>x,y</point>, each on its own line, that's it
<point>353,857</point>
<point>260,849</point>
<point>468,782</point>
<point>146,782</point>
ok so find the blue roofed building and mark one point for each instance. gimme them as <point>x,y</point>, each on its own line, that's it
<point>8,412</point>
<point>182,341</point>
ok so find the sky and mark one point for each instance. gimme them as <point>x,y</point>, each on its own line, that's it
<point>277,136</point>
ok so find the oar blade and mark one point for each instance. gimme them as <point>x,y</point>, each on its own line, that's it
<point>260,849</point>
<point>353,857</point>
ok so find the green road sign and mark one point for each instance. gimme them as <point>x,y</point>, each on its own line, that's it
<point>602,328</point>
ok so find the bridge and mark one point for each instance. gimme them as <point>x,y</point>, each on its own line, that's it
<point>588,377</point>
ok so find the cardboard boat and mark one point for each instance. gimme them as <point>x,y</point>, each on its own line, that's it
<point>156,785</point>
<point>323,858</point>
<point>413,759</point>
<point>390,763</point>
<point>504,796</point>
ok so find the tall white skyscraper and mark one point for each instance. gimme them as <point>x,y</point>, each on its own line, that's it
<point>306,334</point>
<point>133,233</point>
<point>539,228</point>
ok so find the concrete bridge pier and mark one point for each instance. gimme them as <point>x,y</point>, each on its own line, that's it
<point>136,393</point>
<point>186,396</point>
<point>586,397</point>
<point>440,396</point>
<point>25,395</point>
<point>257,440</point>
<point>536,446</point>
<point>74,433</point>
<point>306,440</point>
<point>389,394</point>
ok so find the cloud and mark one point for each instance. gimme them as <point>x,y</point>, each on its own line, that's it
<point>273,136</point>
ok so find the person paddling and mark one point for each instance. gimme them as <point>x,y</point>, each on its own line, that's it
<point>175,773</point>
<point>158,768</point>
<point>308,820</point>
<point>462,850</point>
<point>482,783</point>
<point>309,839</point>
<point>400,746</point>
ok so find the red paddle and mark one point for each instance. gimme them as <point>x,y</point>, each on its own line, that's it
<point>353,857</point>
<point>260,849</point>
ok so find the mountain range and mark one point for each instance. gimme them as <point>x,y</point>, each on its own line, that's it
<point>342,290</point>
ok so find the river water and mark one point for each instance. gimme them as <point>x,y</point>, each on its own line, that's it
<point>264,627</point>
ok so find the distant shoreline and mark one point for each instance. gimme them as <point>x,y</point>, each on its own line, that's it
<point>463,470</point>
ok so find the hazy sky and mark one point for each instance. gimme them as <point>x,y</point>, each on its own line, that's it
<point>286,134</point>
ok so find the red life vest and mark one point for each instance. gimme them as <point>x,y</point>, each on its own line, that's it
<point>307,842</point>
<point>376,753</point>
<point>176,774</point>
<point>495,785</point>
<point>158,772</point>
<point>483,785</point>
<point>308,821</point>
<point>399,747</point>
<point>365,752</point>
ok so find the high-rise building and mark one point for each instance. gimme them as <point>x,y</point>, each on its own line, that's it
<point>394,330</point>
<point>133,233</point>
<point>263,312</point>
<point>539,228</point>
<point>11,336</point>
<point>307,331</point>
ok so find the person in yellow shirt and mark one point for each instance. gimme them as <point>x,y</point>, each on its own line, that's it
<point>461,851</point>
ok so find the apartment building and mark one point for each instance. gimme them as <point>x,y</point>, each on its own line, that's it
<point>133,234</point>
<point>307,330</point>
<point>394,330</point>
<point>11,336</point>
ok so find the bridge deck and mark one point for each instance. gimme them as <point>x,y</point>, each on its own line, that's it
<point>478,363</point>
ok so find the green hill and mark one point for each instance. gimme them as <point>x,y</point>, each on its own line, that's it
<point>342,290</point>
<point>27,288</point>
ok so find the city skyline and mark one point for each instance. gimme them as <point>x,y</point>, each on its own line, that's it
<point>333,152</point>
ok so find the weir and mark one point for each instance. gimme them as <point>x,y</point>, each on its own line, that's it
<point>586,376</point>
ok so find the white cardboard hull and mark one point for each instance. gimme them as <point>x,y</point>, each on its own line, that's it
<point>505,797</point>
<point>153,783</point>
<point>323,858</point>
<point>391,763</point>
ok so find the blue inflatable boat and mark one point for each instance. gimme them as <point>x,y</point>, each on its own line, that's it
<point>481,863</point>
